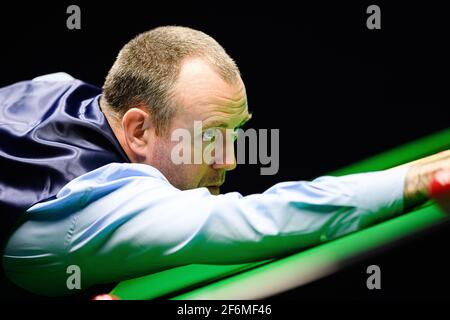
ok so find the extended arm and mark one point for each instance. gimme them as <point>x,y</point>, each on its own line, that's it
<point>126,220</point>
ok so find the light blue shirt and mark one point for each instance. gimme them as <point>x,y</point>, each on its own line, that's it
<point>126,220</point>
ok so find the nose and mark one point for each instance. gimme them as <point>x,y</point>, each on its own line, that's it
<point>227,161</point>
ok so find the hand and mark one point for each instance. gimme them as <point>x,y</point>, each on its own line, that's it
<point>419,177</point>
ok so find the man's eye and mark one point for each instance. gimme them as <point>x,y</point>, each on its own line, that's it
<point>209,134</point>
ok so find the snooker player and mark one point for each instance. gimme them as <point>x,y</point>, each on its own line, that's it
<point>93,170</point>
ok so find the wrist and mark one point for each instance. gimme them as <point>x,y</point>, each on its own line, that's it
<point>417,182</point>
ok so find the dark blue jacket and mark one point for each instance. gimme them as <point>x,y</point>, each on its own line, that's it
<point>50,133</point>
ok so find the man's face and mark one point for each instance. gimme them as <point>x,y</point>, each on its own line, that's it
<point>202,95</point>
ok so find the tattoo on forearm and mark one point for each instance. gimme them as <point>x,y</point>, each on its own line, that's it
<point>419,177</point>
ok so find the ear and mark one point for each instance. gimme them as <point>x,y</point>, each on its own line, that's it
<point>137,127</point>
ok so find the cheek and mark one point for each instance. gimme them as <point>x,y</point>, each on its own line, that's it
<point>193,175</point>
<point>161,160</point>
<point>183,176</point>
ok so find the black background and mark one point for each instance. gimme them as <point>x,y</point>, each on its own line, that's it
<point>337,91</point>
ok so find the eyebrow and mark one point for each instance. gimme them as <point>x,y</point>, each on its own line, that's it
<point>221,124</point>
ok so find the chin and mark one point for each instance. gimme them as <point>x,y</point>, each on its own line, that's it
<point>214,190</point>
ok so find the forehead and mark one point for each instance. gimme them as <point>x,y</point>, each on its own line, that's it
<point>201,94</point>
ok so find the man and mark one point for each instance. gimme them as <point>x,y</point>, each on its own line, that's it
<point>107,197</point>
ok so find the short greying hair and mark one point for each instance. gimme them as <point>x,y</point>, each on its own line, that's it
<point>147,68</point>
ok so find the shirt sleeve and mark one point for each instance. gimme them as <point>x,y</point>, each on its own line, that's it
<point>126,220</point>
